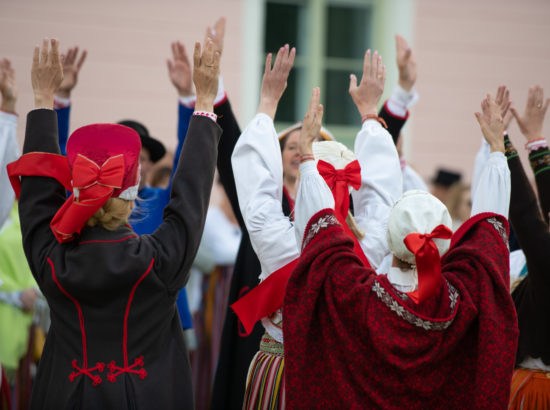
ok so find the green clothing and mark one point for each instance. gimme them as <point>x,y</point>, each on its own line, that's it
<point>15,276</point>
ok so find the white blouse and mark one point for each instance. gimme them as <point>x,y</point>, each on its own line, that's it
<point>9,151</point>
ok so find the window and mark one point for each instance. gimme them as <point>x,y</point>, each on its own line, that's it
<point>326,54</point>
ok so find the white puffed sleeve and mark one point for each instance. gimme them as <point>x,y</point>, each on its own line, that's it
<point>257,166</point>
<point>313,196</point>
<point>381,187</point>
<point>492,189</point>
<point>9,151</point>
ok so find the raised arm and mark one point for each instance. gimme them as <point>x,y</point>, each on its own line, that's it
<point>491,188</point>
<point>178,237</point>
<point>258,171</point>
<point>530,124</point>
<point>41,197</point>
<point>381,178</point>
<point>529,226</point>
<point>179,71</point>
<point>72,63</point>
<point>9,151</point>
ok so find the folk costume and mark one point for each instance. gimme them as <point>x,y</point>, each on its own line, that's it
<point>149,208</point>
<point>115,339</point>
<point>257,166</point>
<point>531,381</point>
<point>442,333</point>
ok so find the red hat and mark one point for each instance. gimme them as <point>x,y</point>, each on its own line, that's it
<point>102,162</point>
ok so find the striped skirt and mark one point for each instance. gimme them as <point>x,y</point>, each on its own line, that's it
<point>530,390</point>
<point>265,383</point>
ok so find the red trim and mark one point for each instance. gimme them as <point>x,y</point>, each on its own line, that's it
<point>313,219</point>
<point>84,369</point>
<point>391,114</point>
<point>224,99</point>
<point>114,370</point>
<point>114,241</point>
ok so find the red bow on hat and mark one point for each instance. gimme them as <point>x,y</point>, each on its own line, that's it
<point>428,261</point>
<point>93,185</point>
<point>338,181</point>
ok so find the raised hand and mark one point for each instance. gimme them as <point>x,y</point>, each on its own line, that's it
<point>46,73</point>
<point>367,95</point>
<point>503,101</point>
<point>311,127</point>
<point>530,124</point>
<point>490,121</point>
<point>405,63</point>
<point>216,34</point>
<point>71,67</point>
<point>205,75</point>
<point>179,70</point>
<point>274,81</point>
<point>8,87</point>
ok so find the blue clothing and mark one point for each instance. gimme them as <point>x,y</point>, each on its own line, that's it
<point>149,209</point>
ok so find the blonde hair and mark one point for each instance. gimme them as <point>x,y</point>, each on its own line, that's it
<point>114,213</point>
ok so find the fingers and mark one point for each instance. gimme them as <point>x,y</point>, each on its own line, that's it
<point>54,52</point>
<point>197,55</point>
<point>268,63</point>
<point>44,51</point>
<point>314,102</point>
<point>291,57</point>
<point>366,64</point>
<point>82,59</point>
<point>546,104</point>
<point>352,82</point>
<point>279,58</point>
<point>516,114</point>
<point>374,65</point>
<point>219,27</point>
<point>170,66</point>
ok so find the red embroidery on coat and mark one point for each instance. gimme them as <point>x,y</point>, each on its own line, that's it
<point>114,370</point>
<point>84,369</point>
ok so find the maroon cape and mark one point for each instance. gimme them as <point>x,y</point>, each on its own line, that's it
<point>354,342</point>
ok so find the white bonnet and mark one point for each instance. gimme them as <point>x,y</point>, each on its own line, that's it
<point>416,212</point>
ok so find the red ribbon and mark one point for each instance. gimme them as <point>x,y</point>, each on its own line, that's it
<point>95,186</point>
<point>428,261</point>
<point>338,181</point>
<point>264,299</point>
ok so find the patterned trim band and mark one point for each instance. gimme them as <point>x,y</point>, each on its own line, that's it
<point>322,223</point>
<point>210,115</point>
<point>270,346</point>
<point>540,160</point>
<point>410,317</point>
<point>509,149</point>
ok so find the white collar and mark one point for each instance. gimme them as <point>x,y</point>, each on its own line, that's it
<point>403,280</point>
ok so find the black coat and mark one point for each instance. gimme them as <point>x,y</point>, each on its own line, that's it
<point>112,294</point>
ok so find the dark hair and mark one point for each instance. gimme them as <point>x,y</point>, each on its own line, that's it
<point>282,141</point>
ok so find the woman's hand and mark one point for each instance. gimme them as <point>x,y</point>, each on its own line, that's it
<point>274,81</point>
<point>205,75</point>
<point>312,124</point>
<point>8,87</point>
<point>367,95</point>
<point>71,68</point>
<point>490,121</point>
<point>530,124</point>
<point>46,73</point>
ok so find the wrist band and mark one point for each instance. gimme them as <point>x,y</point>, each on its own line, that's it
<point>536,144</point>
<point>374,117</point>
<point>307,157</point>
<point>210,115</point>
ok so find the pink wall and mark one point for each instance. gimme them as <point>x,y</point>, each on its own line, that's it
<point>128,42</point>
<point>464,50</point>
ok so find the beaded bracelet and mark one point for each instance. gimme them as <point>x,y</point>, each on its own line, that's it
<point>210,115</point>
<point>307,157</point>
<point>374,117</point>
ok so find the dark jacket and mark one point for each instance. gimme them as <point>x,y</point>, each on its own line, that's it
<point>115,340</point>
